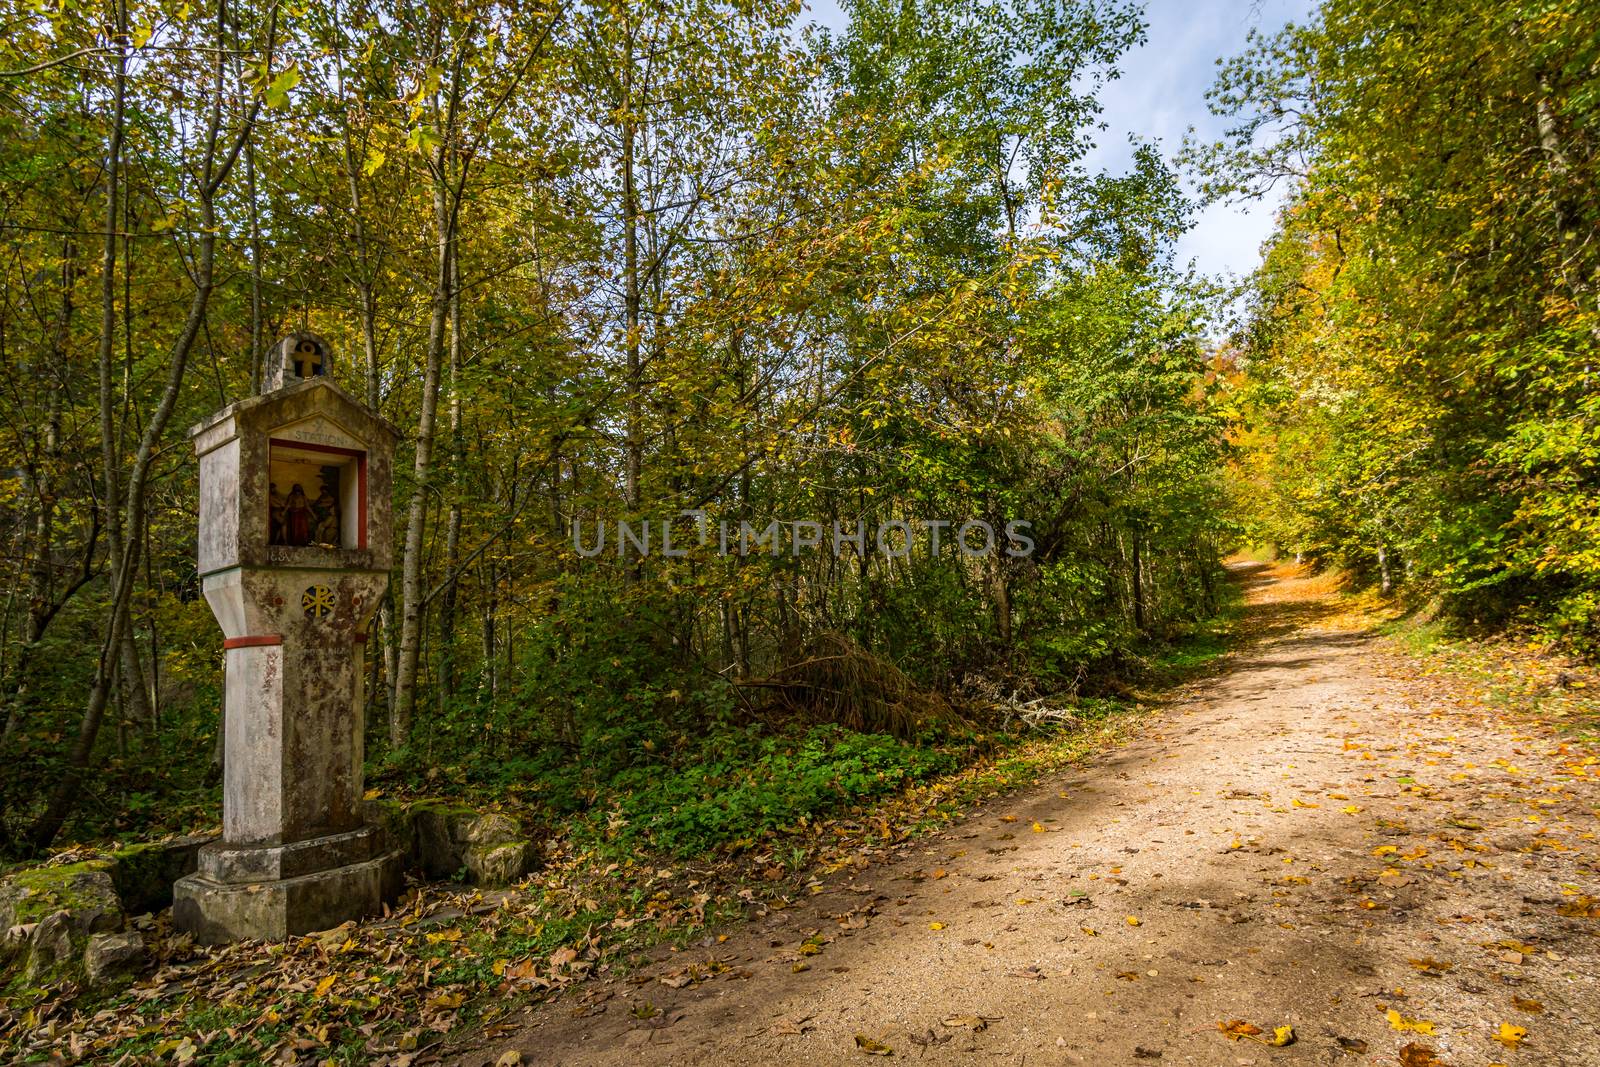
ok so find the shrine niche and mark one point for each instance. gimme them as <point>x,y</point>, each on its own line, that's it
<point>295,547</point>
<point>315,495</point>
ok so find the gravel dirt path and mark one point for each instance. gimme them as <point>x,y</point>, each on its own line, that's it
<point>1314,837</point>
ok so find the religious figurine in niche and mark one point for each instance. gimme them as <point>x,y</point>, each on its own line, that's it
<point>277,506</point>
<point>297,517</point>
<point>326,510</point>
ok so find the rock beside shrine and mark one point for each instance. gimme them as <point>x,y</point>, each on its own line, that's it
<point>446,840</point>
<point>49,915</point>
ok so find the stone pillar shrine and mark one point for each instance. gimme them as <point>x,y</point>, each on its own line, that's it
<point>295,552</point>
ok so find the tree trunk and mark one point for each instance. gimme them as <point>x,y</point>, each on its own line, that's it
<point>452,553</point>
<point>411,592</point>
<point>1137,564</point>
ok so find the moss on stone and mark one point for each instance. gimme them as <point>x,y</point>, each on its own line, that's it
<point>144,872</point>
<point>31,895</point>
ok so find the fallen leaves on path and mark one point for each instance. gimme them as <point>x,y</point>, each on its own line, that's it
<point>871,1047</point>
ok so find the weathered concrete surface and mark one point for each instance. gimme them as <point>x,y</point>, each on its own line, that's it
<point>273,910</point>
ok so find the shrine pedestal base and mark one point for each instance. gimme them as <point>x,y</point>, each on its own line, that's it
<point>273,909</point>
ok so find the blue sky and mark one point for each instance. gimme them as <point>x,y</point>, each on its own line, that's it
<point>1162,93</point>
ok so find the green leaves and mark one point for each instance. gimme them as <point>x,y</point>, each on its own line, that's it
<point>276,93</point>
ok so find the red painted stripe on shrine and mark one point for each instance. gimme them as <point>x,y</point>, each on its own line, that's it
<point>253,642</point>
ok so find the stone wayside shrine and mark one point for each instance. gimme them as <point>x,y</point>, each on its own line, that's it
<point>295,551</point>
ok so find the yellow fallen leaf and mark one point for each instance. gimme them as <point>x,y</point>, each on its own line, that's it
<point>1404,1025</point>
<point>936,926</point>
<point>1234,1029</point>
<point>1351,809</point>
<point>1385,850</point>
<point>1133,920</point>
<point>325,985</point>
<point>1281,1036</point>
<point>1509,1035</point>
<point>1428,963</point>
<point>871,1047</point>
<point>1037,828</point>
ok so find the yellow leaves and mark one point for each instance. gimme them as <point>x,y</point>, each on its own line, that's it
<point>1431,967</point>
<point>1298,803</point>
<point>1581,907</point>
<point>1351,809</point>
<point>871,1047</point>
<point>936,926</point>
<point>1510,1035</point>
<point>325,985</point>
<point>1134,920</point>
<point>452,934</point>
<point>1037,828</point>
<point>1239,1030</point>
<point>1532,1007</point>
<point>1404,1025</point>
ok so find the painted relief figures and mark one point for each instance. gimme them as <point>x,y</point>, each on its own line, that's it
<point>314,491</point>
<point>277,504</point>
<point>297,519</point>
<point>326,510</point>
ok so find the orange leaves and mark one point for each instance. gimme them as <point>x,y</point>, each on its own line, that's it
<point>1415,1055</point>
<point>1239,1030</point>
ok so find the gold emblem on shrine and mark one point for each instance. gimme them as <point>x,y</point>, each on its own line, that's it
<point>307,359</point>
<point>317,601</point>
